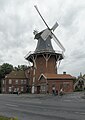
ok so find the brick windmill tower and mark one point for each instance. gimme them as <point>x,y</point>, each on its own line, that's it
<point>44,58</point>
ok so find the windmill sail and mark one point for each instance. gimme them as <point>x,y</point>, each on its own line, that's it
<point>45,34</point>
<point>48,32</point>
<point>58,42</point>
<point>55,26</point>
<point>41,16</point>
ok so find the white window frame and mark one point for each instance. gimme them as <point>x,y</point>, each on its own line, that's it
<point>16,81</point>
<point>10,89</point>
<point>22,81</point>
<point>25,81</point>
<point>22,89</point>
<point>10,81</point>
<point>3,82</point>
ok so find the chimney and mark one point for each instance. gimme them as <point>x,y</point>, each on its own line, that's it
<point>64,73</point>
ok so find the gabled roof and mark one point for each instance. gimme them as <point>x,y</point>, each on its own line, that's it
<point>57,76</point>
<point>16,74</point>
<point>80,78</point>
<point>84,76</point>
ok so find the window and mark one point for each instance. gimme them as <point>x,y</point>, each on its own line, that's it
<point>21,81</point>
<point>10,89</point>
<point>21,89</point>
<point>3,82</point>
<point>10,81</point>
<point>17,89</point>
<point>61,85</point>
<point>43,87</point>
<point>65,84</point>
<point>24,81</point>
<point>3,89</point>
<point>16,81</point>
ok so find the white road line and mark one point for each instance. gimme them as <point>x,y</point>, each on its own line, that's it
<point>81,113</point>
<point>11,105</point>
<point>76,112</point>
<point>67,100</point>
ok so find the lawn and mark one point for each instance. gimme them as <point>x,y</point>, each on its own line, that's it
<point>6,118</point>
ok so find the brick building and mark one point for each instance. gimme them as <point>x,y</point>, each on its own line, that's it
<point>48,81</point>
<point>14,82</point>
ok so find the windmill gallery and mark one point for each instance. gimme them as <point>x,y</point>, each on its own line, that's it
<point>43,75</point>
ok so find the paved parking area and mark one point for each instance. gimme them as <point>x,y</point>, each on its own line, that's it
<point>43,107</point>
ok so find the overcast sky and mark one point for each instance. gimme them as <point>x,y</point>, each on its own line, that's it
<point>18,19</point>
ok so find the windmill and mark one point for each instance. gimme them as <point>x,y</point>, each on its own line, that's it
<point>44,59</point>
<point>49,32</point>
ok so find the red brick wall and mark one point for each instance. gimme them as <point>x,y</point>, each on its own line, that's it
<point>29,74</point>
<point>67,85</point>
<point>14,85</point>
<point>41,65</point>
<point>41,68</point>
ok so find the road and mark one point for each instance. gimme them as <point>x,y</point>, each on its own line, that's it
<point>43,107</point>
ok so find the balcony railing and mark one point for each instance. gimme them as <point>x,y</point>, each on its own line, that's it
<point>43,51</point>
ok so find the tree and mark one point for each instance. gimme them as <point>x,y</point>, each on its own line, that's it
<point>21,67</point>
<point>5,68</point>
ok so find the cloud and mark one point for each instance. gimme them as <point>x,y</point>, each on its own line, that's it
<point>18,19</point>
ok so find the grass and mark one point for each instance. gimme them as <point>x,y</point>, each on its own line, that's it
<point>6,118</point>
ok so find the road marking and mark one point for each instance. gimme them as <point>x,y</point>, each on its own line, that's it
<point>77,112</point>
<point>11,105</point>
<point>67,100</point>
<point>80,113</point>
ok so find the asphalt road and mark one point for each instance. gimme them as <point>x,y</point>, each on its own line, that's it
<point>43,107</point>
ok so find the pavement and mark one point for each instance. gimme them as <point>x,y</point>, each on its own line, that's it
<point>74,95</point>
<point>43,106</point>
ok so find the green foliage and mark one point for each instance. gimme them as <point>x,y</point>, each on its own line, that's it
<point>6,118</point>
<point>5,68</point>
<point>13,119</point>
<point>21,67</point>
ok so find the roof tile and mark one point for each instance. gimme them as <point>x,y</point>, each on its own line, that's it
<point>58,76</point>
<point>16,74</point>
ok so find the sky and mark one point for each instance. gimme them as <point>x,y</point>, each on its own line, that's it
<point>18,20</point>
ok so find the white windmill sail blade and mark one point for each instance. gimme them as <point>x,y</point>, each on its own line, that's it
<point>58,42</point>
<point>45,34</point>
<point>41,15</point>
<point>55,26</point>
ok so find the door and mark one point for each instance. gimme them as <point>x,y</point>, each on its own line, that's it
<point>38,89</point>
